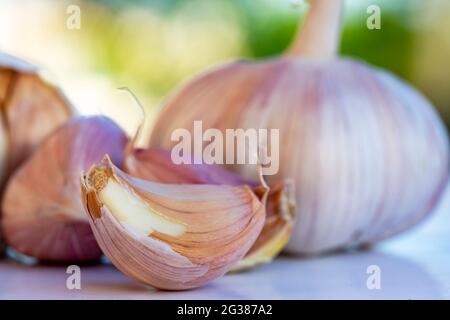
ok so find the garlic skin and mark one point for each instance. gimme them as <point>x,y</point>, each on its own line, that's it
<point>368,154</point>
<point>156,165</point>
<point>192,234</point>
<point>43,215</point>
<point>278,227</point>
<point>31,108</point>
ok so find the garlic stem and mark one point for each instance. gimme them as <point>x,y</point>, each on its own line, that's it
<point>319,35</point>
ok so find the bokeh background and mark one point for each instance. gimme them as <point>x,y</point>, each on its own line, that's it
<point>151,46</point>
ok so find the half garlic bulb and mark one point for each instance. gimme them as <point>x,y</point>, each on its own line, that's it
<point>156,165</point>
<point>31,107</point>
<point>368,154</point>
<point>171,237</point>
<point>43,215</point>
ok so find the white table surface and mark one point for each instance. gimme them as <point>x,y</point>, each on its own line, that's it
<point>415,265</point>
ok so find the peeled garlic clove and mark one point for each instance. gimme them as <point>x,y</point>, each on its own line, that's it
<point>31,107</point>
<point>368,154</point>
<point>156,165</point>
<point>170,236</point>
<point>43,215</point>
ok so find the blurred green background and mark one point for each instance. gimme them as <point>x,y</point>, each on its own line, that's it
<point>151,46</point>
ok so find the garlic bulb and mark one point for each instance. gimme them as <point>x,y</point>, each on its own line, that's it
<point>43,215</point>
<point>167,236</point>
<point>31,107</point>
<point>156,165</point>
<point>368,154</point>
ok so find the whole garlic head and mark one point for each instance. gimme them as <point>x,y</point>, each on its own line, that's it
<point>368,154</point>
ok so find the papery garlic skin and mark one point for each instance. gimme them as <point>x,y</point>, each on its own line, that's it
<point>368,154</point>
<point>220,225</point>
<point>43,215</point>
<point>278,227</point>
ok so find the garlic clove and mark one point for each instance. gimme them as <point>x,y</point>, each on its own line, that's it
<point>43,215</point>
<point>155,164</point>
<point>31,108</point>
<point>170,236</point>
